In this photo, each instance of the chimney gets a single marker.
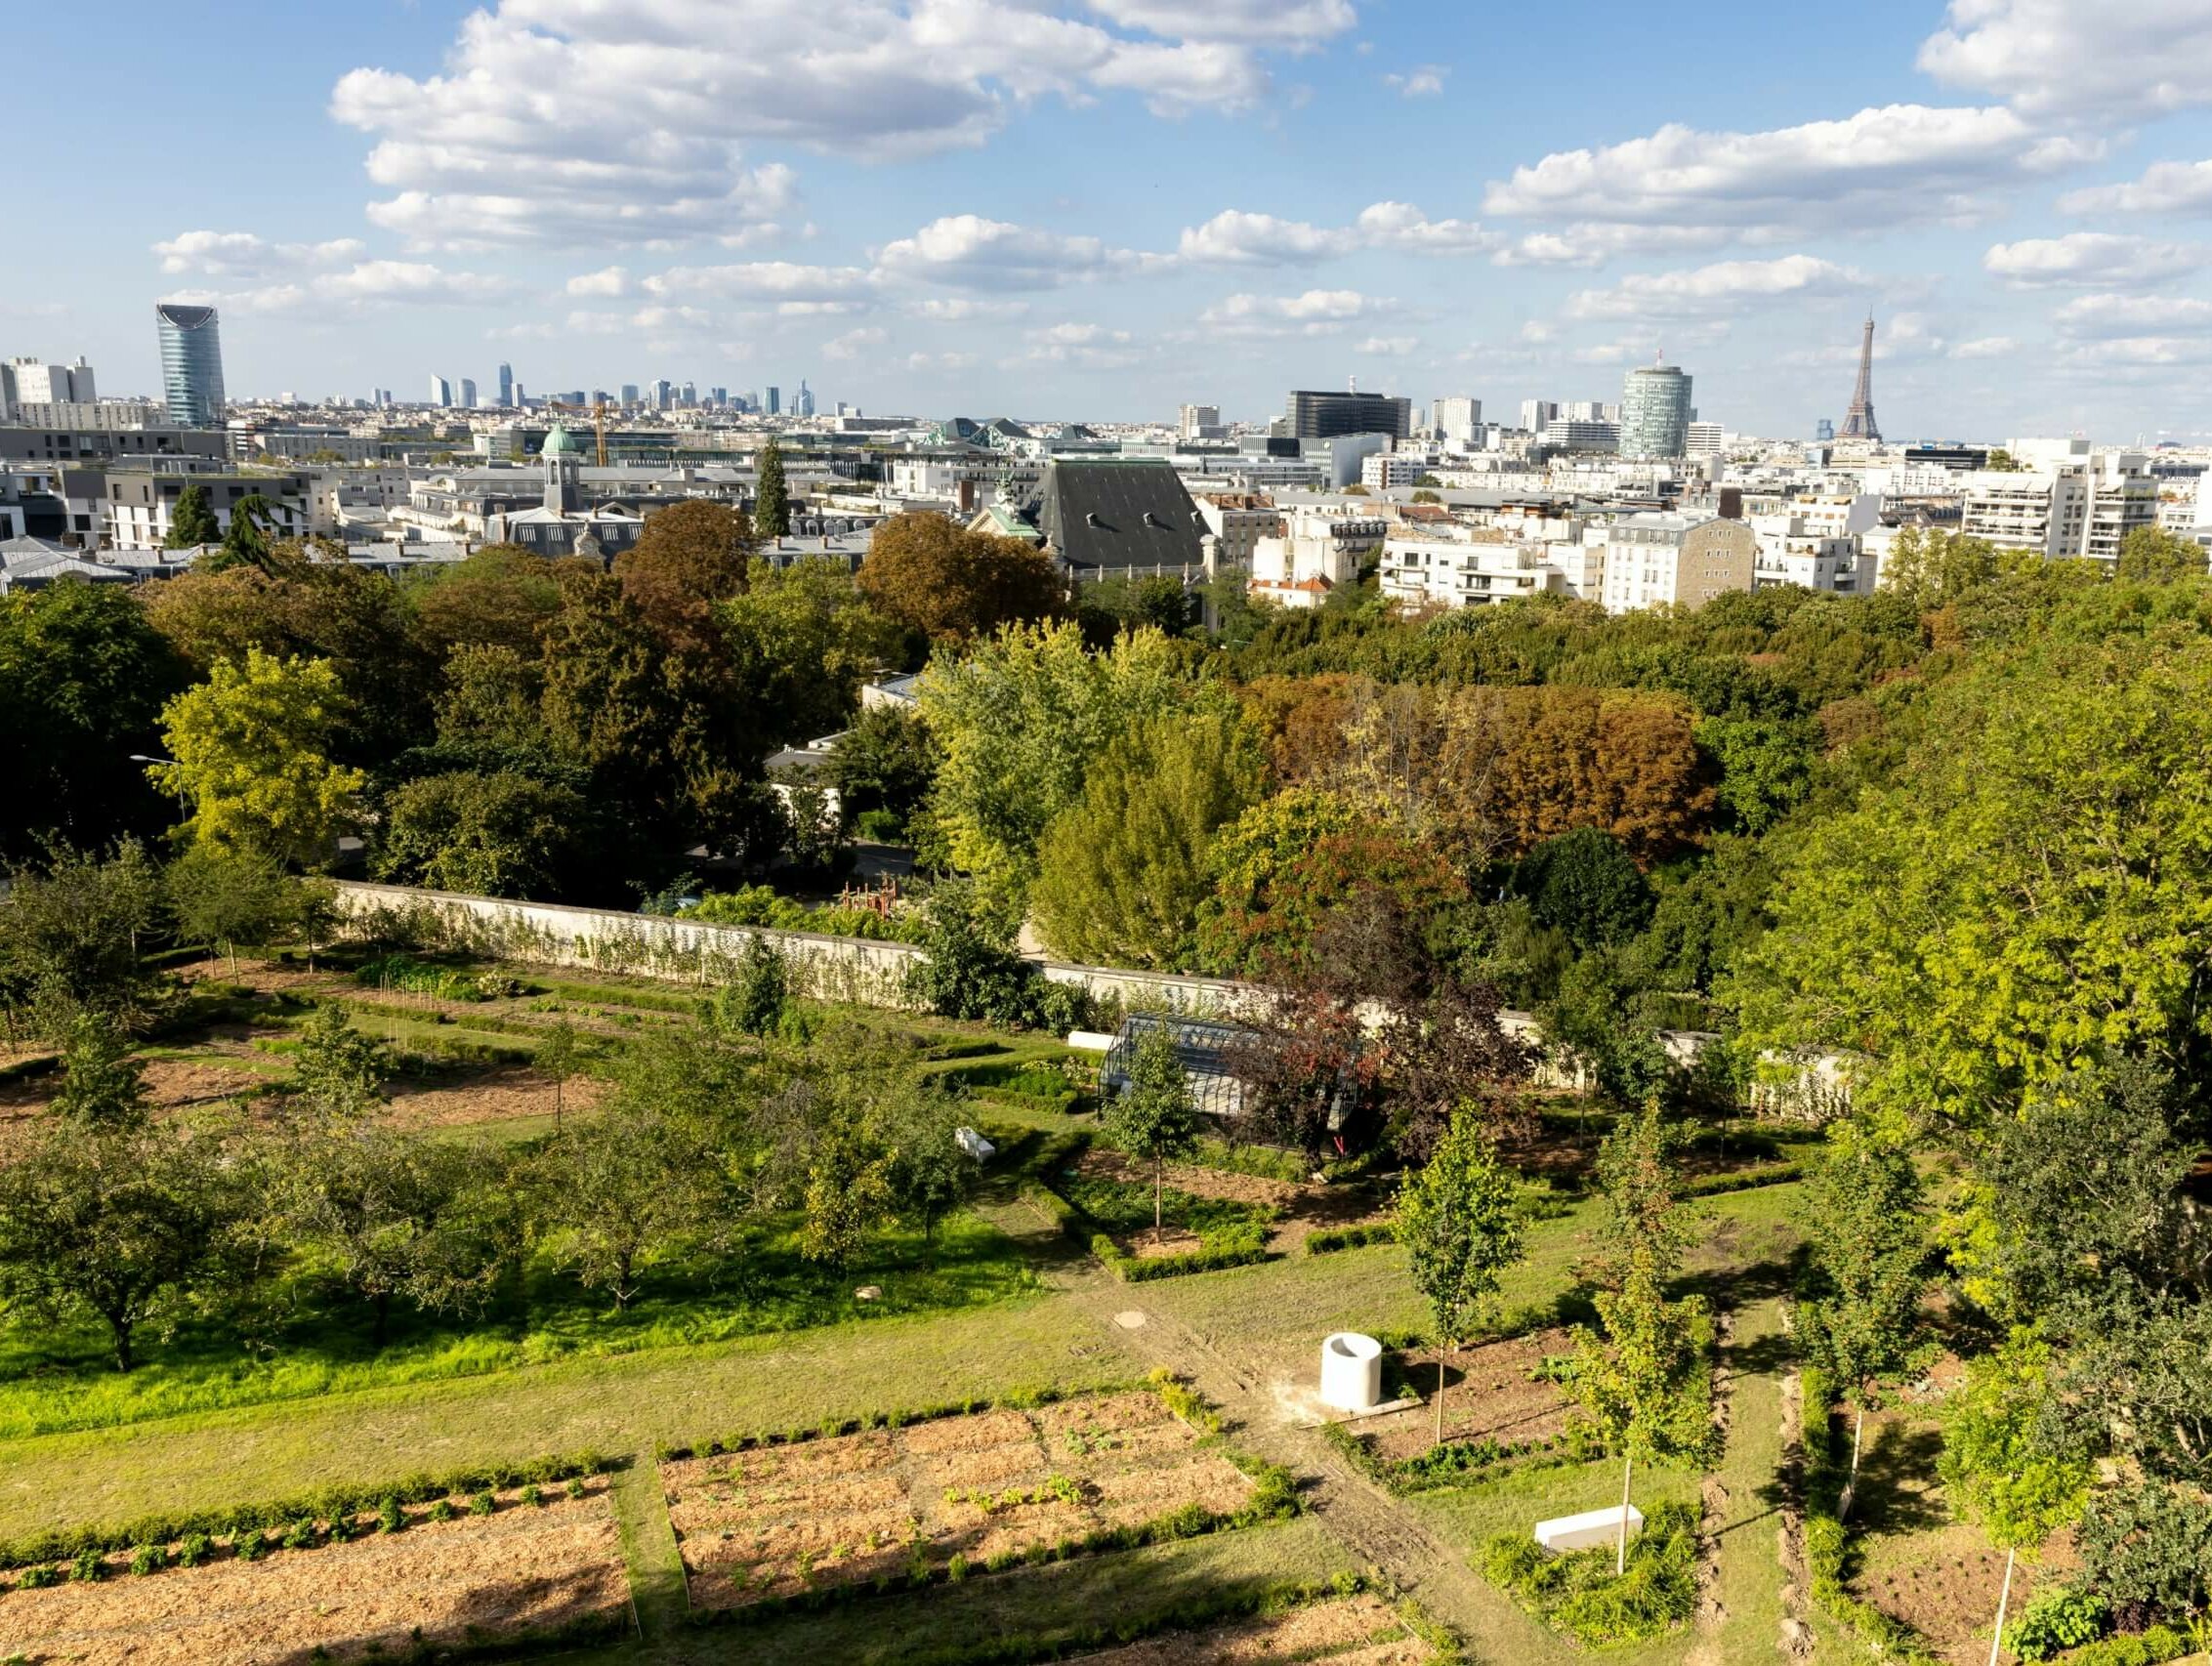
(1732, 503)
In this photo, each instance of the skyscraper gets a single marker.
(1654, 411)
(192, 363)
(440, 393)
(1456, 418)
(468, 394)
(629, 392)
(804, 404)
(774, 401)
(1319, 415)
(506, 385)
(1858, 422)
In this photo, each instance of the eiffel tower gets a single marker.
(1861, 423)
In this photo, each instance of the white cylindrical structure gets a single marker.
(1351, 1372)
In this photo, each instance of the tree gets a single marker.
(102, 1079)
(1932, 567)
(83, 675)
(1151, 1119)
(771, 498)
(221, 897)
(2151, 555)
(848, 1191)
(928, 1174)
(1121, 871)
(192, 523)
(119, 1225)
(501, 834)
(1586, 884)
(69, 933)
(886, 761)
(754, 1002)
(246, 541)
(970, 967)
(1643, 1377)
(952, 585)
(1766, 765)
(490, 702)
(801, 641)
(557, 1058)
(691, 557)
(2000, 1464)
(337, 1071)
(252, 758)
(623, 1191)
(501, 596)
(1460, 1222)
(1865, 1220)
(1021, 719)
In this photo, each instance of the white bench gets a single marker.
(1590, 1530)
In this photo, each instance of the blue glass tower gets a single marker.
(192, 363)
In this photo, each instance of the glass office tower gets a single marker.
(192, 363)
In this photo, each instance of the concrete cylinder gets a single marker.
(1351, 1372)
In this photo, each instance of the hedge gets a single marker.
(1827, 1543)
(1143, 1270)
(2153, 1648)
(1744, 1179)
(830, 1428)
(1329, 1239)
(1454, 1462)
(332, 1502)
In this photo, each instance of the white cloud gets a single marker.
(763, 281)
(1076, 335)
(953, 309)
(2166, 187)
(1313, 312)
(1586, 245)
(969, 251)
(2091, 260)
(852, 343)
(1717, 290)
(1986, 346)
(2108, 317)
(609, 280)
(2066, 57)
(242, 254)
(622, 122)
(1388, 347)
(365, 287)
(940, 361)
(1879, 168)
(1235, 237)
(1426, 82)
(2137, 352)
(666, 320)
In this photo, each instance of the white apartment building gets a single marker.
(1237, 521)
(34, 382)
(1387, 469)
(2069, 501)
(1319, 548)
(1702, 439)
(1591, 435)
(1472, 570)
(1199, 422)
(1677, 560)
(1801, 550)
(1458, 421)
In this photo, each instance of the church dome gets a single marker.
(560, 442)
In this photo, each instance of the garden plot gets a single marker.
(1202, 1204)
(1496, 1392)
(520, 1571)
(1348, 1631)
(978, 1490)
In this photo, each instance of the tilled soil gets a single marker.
(1346, 1630)
(1488, 1393)
(517, 1569)
(1301, 1207)
(774, 1521)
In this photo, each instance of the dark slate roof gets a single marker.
(1120, 514)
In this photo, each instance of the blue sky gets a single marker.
(1104, 207)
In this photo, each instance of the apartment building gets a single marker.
(2067, 500)
(1473, 570)
(141, 505)
(1320, 548)
(1679, 559)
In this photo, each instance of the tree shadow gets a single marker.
(1896, 1489)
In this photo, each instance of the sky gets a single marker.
(1103, 208)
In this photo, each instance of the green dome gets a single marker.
(559, 443)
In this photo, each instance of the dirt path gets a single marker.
(1366, 1520)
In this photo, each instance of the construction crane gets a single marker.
(596, 412)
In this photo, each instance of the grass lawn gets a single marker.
(59, 1379)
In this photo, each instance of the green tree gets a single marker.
(2151, 555)
(2000, 1463)
(1586, 884)
(246, 541)
(1151, 1119)
(927, 1174)
(558, 1057)
(771, 498)
(886, 761)
(222, 897)
(1930, 566)
(801, 641)
(1460, 1222)
(1766, 765)
(501, 596)
(1643, 1376)
(848, 1192)
(1866, 1225)
(1021, 717)
(338, 1071)
(623, 1191)
(69, 936)
(252, 749)
(103, 1078)
(970, 967)
(120, 1226)
(192, 523)
(500, 834)
(1121, 871)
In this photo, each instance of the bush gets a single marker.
(2059, 1620)
(390, 1518)
(1580, 1594)
(762, 905)
(480, 1504)
(1329, 1239)
(196, 1549)
(88, 1567)
(881, 826)
(441, 1510)
(1743, 1180)
(422, 978)
(39, 1578)
(2153, 1648)
(148, 1559)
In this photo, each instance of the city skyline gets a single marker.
(1107, 209)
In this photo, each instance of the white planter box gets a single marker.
(1589, 1530)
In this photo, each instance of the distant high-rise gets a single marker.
(690, 394)
(506, 385)
(802, 403)
(1197, 422)
(440, 393)
(1858, 422)
(1318, 415)
(776, 402)
(629, 392)
(1823, 430)
(1654, 411)
(1455, 418)
(468, 394)
(192, 363)
(663, 393)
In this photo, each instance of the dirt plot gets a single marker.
(495, 1093)
(1349, 1631)
(1490, 1394)
(775, 1520)
(517, 1570)
(1300, 1207)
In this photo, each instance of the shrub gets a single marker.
(1579, 1593)
(2153, 1648)
(880, 826)
(480, 1504)
(390, 1518)
(1184, 1401)
(249, 1545)
(88, 1567)
(575, 1488)
(2059, 1620)
(196, 1549)
(148, 1559)
(39, 1578)
(534, 1496)
(1329, 1239)
(441, 1510)
(421, 977)
(302, 1535)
